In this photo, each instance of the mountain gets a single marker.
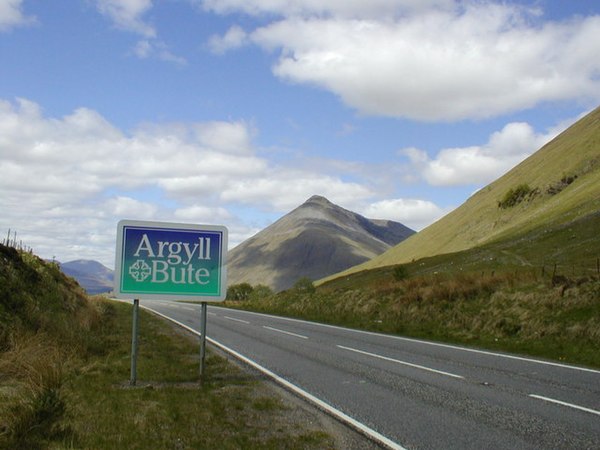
(91, 275)
(555, 188)
(314, 240)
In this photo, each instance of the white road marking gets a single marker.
(404, 363)
(296, 389)
(434, 344)
(188, 308)
(237, 320)
(212, 314)
(570, 405)
(285, 332)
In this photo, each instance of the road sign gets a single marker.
(170, 261)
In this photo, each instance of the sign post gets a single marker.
(202, 339)
(134, 342)
(170, 261)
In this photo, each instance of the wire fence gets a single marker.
(12, 240)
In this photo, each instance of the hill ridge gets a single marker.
(553, 197)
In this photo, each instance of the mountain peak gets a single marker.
(315, 239)
(318, 199)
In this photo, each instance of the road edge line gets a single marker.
(326, 407)
(431, 343)
(570, 405)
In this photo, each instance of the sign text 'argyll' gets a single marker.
(170, 261)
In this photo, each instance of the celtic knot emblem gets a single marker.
(139, 270)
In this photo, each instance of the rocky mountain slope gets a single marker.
(314, 240)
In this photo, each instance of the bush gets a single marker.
(515, 196)
(304, 285)
(261, 292)
(400, 273)
(239, 292)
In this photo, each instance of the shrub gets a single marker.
(239, 292)
(304, 285)
(400, 273)
(261, 292)
(515, 196)
(557, 187)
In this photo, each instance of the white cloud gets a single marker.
(203, 214)
(286, 188)
(445, 61)
(235, 37)
(481, 164)
(66, 181)
(228, 137)
(11, 15)
(414, 213)
(344, 8)
(127, 15)
(153, 48)
(126, 207)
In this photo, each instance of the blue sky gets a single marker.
(234, 112)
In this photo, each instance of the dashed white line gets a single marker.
(570, 405)
(404, 363)
(298, 390)
(237, 320)
(285, 332)
(431, 343)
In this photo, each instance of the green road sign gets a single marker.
(170, 261)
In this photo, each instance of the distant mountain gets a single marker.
(314, 240)
(554, 189)
(94, 277)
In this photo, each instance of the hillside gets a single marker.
(314, 240)
(65, 362)
(558, 184)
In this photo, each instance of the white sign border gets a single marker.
(169, 226)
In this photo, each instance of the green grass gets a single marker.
(571, 249)
(564, 175)
(170, 408)
(64, 377)
(521, 312)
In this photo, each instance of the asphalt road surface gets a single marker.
(414, 394)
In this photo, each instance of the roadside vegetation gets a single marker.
(538, 294)
(520, 313)
(64, 377)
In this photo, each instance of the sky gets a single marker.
(234, 112)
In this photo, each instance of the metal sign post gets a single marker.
(170, 261)
(134, 342)
(202, 339)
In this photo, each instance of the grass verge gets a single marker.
(64, 377)
(170, 408)
(556, 318)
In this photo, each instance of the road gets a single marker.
(415, 394)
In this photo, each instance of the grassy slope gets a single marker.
(64, 365)
(479, 220)
(520, 311)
